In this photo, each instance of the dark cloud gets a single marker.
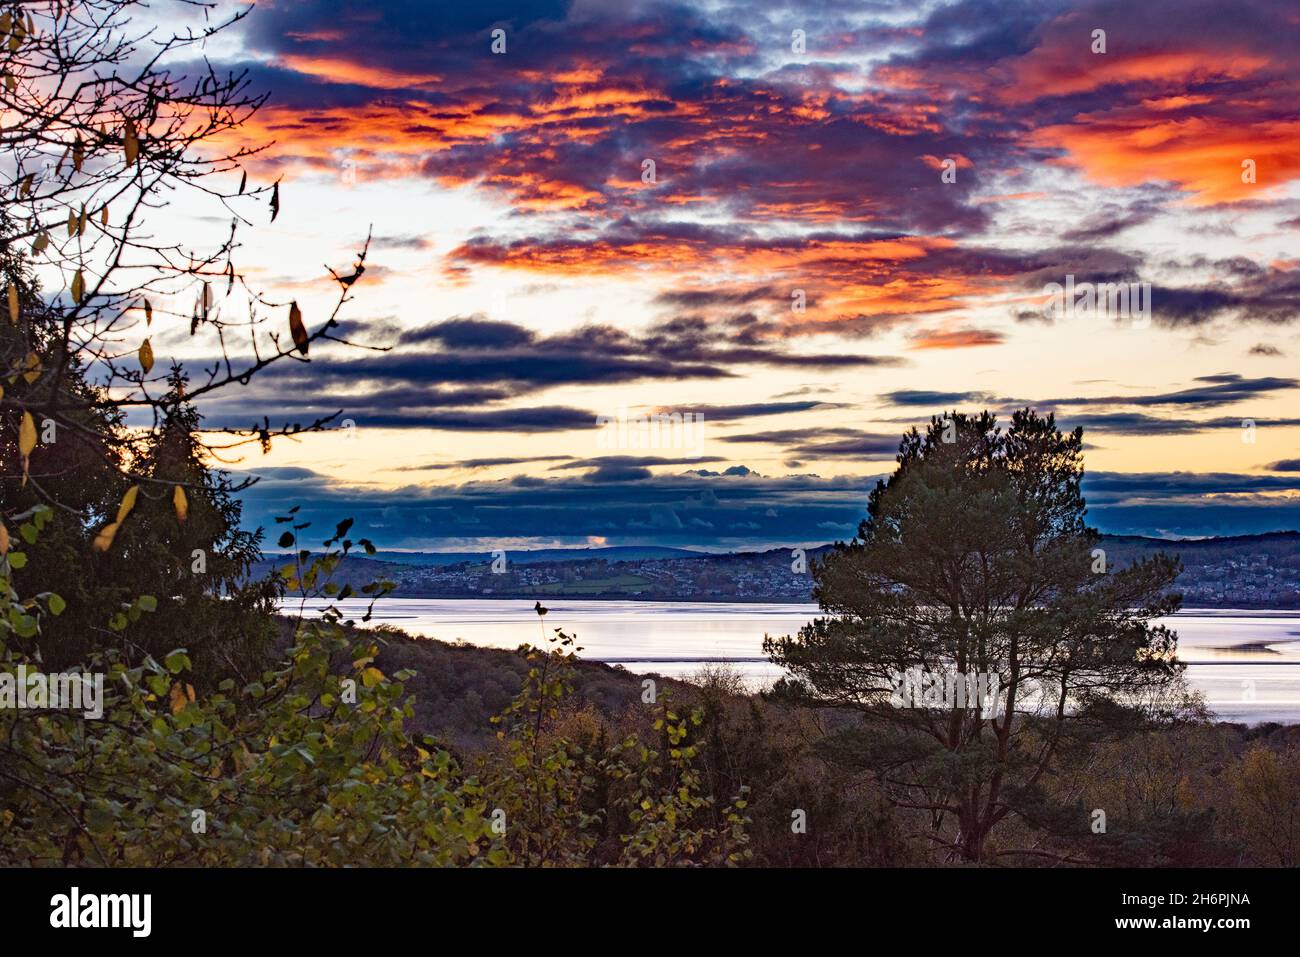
(1113, 221)
(824, 443)
(734, 509)
(1213, 390)
(470, 334)
(478, 463)
(931, 398)
(460, 373)
(749, 410)
(1272, 297)
(632, 461)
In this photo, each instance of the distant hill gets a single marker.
(1271, 542)
(1242, 571)
(613, 553)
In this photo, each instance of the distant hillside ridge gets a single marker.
(529, 556)
(1238, 571)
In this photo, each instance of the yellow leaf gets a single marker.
(189, 692)
(131, 142)
(104, 540)
(181, 503)
(72, 223)
(177, 697)
(42, 241)
(81, 222)
(297, 329)
(128, 503)
(148, 313)
(33, 368)
(11, 82)
(371, 677)
(13, 304)
(4, 539)
(78, 286)
(26, 435)
(146, 356)
(103, 215)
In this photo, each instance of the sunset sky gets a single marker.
(529, 279)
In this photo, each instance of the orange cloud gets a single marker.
(845, 278)
(1057, 70)
(338, 70)
(1203, 155)
(963, 338)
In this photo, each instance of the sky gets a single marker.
(799, 228)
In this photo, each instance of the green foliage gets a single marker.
(311, 763)
(571, 797)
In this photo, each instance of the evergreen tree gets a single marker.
(975, 572)
(183, 544)
(84, 466)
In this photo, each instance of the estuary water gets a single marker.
(1247, 663)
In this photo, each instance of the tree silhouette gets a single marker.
(974, 571)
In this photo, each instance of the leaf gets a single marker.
(78, 154)
(4, 539)
(78, 287)
(297, 329)
(104, 540)
(33, 368)
(11, 82)
(131, 142)
(41, 242)
(103, 215)
(275, 201)
(243, 181)
(56, 604)
(177, 698)
(146, 356)
(181, 504)
(148, 313)
(26, 441)
(26, 435)
(13, 304)
(127, 503)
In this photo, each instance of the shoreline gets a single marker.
(1208, 610)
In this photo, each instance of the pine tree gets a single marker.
(975, 562)
(183, 544)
